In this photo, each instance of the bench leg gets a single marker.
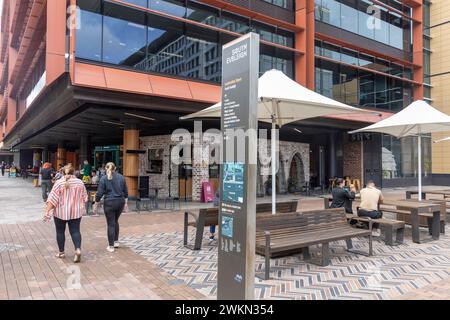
(306, 254)
(185, 236)
(370, 243)
(349, 244)
(430, 226)
(436, 223)
(325, 254)
(400, 235)
(443, 227)
(267, 258)
(389, 235)
(199, 237)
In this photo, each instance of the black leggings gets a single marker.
(74, 229)
(113, 209)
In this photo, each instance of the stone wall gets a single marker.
(200, 164)
(159, 180)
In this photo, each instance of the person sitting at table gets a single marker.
(342, 198)
(371, 198)
(94, 177)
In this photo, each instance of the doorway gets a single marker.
(372, 159)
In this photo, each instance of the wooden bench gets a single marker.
(388, 226)
(425, 219)
(287, 233)
(210, 217)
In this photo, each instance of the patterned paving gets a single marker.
(391, 273)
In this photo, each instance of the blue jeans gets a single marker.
(212, 229)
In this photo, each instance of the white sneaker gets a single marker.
(110, 249)
(376, 232)
(116, 244)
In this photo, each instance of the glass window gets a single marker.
(366, 89)
(365, 21)
(349, 21)
(331, 51)
(382, 26)
(330, 12)
(279, 3)
(201, 54)
(382, 65)
(124, 36)
(396, 94)
(396, 70)
(366, 60)
(234, 23)
(382, 98)
(396, 31)
(140, 3)
(349, 56)
(166, 46)
(89, 35)
(349, 85)
(400, 157)
(273, 58)
(172, 7)
(330, 80)
(197, 12)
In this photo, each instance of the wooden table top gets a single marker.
(411, 203)
(443, 191)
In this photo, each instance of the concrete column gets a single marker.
(60, 155)
(84, 149)
(45, 155)
(332, 152)
(37, 157)
(131, 161)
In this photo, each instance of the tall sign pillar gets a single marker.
(237, 218)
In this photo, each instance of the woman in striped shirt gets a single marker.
(67, 198)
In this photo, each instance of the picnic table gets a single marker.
(445, 193)
(432, 210)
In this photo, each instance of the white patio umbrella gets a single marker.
(281, 100)
(416, 119)
(442, 140)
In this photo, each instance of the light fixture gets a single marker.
(139, 116)
(114, 123)
(297, 130)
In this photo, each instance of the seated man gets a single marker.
(343, 197)
(371, 198)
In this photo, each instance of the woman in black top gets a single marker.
(114, 188)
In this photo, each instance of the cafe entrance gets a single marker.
(105, 154)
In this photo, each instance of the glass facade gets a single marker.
(399, 157)
(129, 37)
(357, 87)
(368, 20)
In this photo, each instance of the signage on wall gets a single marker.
(365, 136)
(237, 213)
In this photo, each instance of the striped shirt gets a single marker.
(69, 203)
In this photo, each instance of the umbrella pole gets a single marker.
(419, 160)
(274, 172)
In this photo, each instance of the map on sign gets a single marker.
(227, 226)
(233, 182)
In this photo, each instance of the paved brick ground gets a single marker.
(29, 270)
